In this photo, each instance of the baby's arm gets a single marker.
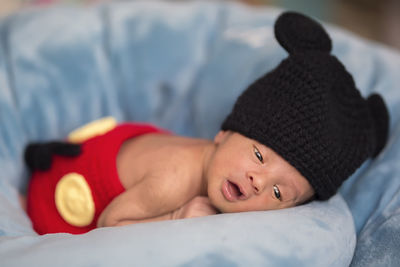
(167, 216)
(142, 202)
(197, 207)
(138, 204)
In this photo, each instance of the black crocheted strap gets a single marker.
(298, 33)
(39, 156)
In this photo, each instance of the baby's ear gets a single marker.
(220, 136)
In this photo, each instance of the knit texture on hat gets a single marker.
(309, 110)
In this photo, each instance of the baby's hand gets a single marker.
(197, 207)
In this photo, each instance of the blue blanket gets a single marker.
(180, 66)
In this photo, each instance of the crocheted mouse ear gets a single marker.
(298, 33)
(381, 120)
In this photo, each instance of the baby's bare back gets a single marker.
(166, 168)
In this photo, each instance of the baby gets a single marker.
(294, 135)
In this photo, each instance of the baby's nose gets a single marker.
(257, 183)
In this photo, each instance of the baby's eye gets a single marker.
(277, 192)
(258, 155)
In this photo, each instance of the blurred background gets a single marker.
(377, 20)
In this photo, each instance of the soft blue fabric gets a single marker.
(373, 193)
(180, 66)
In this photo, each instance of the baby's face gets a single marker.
(244, 175)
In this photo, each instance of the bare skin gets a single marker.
(161, 173)
(171, 177)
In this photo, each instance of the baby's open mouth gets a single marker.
(231, 191)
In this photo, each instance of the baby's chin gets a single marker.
(218, 204)
(222, 205)
(226, 207)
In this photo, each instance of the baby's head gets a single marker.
(297, 132)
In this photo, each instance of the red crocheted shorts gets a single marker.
(96, 163)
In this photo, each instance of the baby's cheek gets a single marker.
(262, 203)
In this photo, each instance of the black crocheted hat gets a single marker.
(309, 111)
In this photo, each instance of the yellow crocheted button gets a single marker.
(74, 200)
(92, 129)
